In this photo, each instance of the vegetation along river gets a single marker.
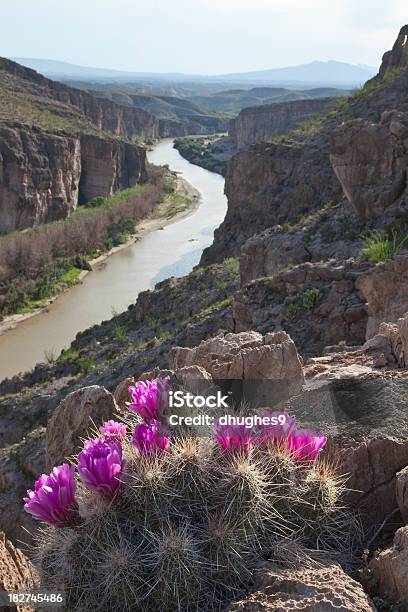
(171, 251)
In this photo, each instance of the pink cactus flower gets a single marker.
(149, 398)
(113, 430)
(281, 426)
(53, 498)
(151, 438)
(305, 444)
(233, 437)
(100, 465)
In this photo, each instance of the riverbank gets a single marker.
(210, 152)
(177, 205)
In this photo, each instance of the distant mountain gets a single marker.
(315, 72)
(305, 75)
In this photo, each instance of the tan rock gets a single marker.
(324, 589)
(73, 419)
(402, 493)
(121, 393)
(385, 289)
(390, 567)
(16, 571)
(372, 466)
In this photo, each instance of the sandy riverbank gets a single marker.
(164, 214)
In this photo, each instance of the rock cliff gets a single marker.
(43, 174)
(261, 123)
(59, 145)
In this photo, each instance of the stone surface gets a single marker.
(251, 358)
(322, 589)
(397, 57)
(16, 571)
(20, 466)
(390, 567)
(390, 344)
(256, 124)
(316, 303)
(121, 393)
(372, 465)
(402, 493)
(76, 415)
(370, 161)
(385, 289)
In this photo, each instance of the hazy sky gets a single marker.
(200, 36)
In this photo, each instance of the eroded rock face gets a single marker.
(109, 166)
(39, 177)
(370, 161)
(317, 304)
(391, 343)
(397, 57)
(372, 465)
(250, 357)
(247, 355)
(73, 419)
(322, 589)
(390, 567)
(271, 184)
(385, 289)
(260, 123)
(16, 571)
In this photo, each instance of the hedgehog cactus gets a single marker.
(188, 520)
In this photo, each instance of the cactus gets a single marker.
(187, 524)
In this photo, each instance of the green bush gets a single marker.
(381, 247)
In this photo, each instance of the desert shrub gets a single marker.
(311, 298)
(158, 524)
(382, 247)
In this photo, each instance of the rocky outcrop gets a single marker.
(372, 466)
(43, 175)
(123, 121)
(72, 420)
(261, 123)
(39, 176)
(16, 571)
(390, 568)
(333, 233)
(397, 57)
(316, 303)
(108, 166)
(249, 357)
(271, 184)
(371, 160)
(385, 289)
(324, 588)
(390, 345)
(20, 466)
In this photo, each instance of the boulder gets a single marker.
(390, 567)
(402, 493)
(385, 289)
(325, 589)
(16, 571)
(76, 415)
(391, 342)
(372, 466)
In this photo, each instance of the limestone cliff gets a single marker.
(291, 177)
(59, 145)
(261, 123)
(43, 175)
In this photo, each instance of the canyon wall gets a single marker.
(42, 174)
(261, 123)
(123, 121)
